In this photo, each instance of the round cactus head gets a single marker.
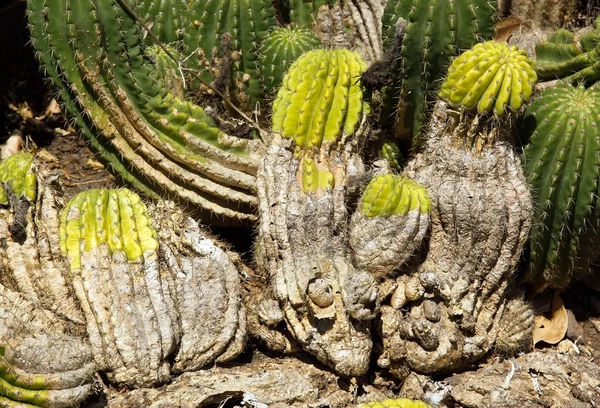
(280, 48)
(115, 218)
(17, 174)
(491, 76)
(320, 99)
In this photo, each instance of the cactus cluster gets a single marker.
(159, 144)
(562, 166)
(491, 76)
(573, 58)
(435, 31)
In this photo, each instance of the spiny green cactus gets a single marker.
(436, 30)
(491, 76)
(16, 173)
(19, 388)
(245, 23)
(562, 164)
(164, 18)
(91, 218)
(390, 152)
(396, 403)
(388, 195)
(320, 99)
(303, 12)
(161, 145)
(319, 104)
(168, 70)
(280, 48)
(564, 56)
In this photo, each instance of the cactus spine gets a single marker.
(436, 30)
(154, 141)
(562, 165)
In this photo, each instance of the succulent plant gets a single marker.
(572, 58)
(159, 144)
(279, 49)
(545, 13)
(112, 285)
(435, 31)
(491, 76)
(396, 403)
(17, 178)
(309, 175)
(562, 167)
(445, 314)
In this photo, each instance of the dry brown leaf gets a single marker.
(506, 27)
(552, 327)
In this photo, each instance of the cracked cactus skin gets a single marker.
(161, 145)
(446, 314)
(390, 223)
(490, 76)
(309, 175)
(572, 58)
(562, 163)
(396, 403)
(17, 174)
(279, 50)
(436, 31)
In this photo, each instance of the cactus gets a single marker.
(545, 13)
(572, 58)
(436, 30)
(225, 35)
(491, 76)
(396, 403)
(17, 176)
(445, 315)
(157, 143)
(164, 17)
(562, 167)
(391, 221)
(168, 71)
(280, 48)
(309, 176)
(304, 12)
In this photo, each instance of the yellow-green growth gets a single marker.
(16, 172)
(396, 403)
(390, 152)
(167, 69)
(314, 179)
(562, 163)
(388, 195)
(280, 48)
(491, 76)
(320, 99)
(116, 218)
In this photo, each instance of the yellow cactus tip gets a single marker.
(17, 172)
(396, 403)
(490, 76)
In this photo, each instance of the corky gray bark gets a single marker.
(447, 313)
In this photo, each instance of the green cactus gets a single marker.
(17, 172)
(390, 152)
(562, 166)
(303, 12)
(161, 145)
(320, 99)
(19, 388)
(168, 70)
(388, 195)
(436, 30)
(564, 56)
(396, 403)
(164, 17)
(279, 50)
(491, 76)
(91, 218)
(243, 23)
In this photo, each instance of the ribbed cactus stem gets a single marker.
(436, 30)
(159, 144)
(16, 174)
(562, 166)
(279, 50)
(491, 76)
